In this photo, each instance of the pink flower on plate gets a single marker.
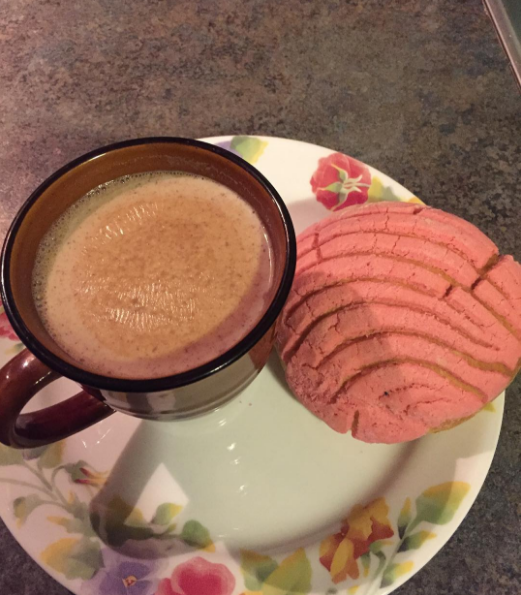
(198, 577)
(6, 330)
(340, 181)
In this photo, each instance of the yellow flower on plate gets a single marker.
(364, 525)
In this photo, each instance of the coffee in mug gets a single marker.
(152, 274)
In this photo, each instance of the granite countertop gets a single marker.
(420, 89)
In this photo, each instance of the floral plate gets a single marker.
(258, 497)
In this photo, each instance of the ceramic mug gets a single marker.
(182, 395)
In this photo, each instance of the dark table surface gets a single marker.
(419, 89)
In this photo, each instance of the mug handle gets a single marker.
(20, 379)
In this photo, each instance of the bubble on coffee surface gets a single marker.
(154, 273)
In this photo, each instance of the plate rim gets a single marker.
(482, 469)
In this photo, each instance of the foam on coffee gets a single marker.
(153, 274)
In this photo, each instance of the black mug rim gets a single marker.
(99, 381)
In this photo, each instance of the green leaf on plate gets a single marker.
(438, 504)
(405, 517)
(75, 470)
(376, 546)
(415, 541)
(342, 197)
(10, 456)
(165, 513)
(74, 558)
(395, 571)
(15, 349)
(342, 174)
(24, 505)
(51, 456)
(74, 525)
(291, 577)
(76, 507)
(195, 535)
(366, 562)
(248, 147)
(335, 187)
(256, 568)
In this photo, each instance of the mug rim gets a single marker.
(188, 377)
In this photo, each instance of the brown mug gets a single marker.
(182, 395)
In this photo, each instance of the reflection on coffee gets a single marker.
(153, 274)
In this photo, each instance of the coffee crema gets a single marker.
(152, 275)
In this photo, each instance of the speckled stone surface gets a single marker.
(419, 89)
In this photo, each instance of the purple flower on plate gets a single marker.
(227, 144)
(121, 575)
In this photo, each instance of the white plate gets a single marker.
(257, 497)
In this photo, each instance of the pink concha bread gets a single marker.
(402, 320)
